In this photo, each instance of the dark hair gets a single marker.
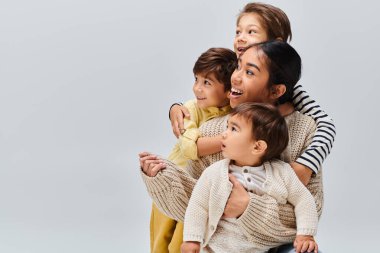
(267, 125)
(218, 61)
(274, 20)
(284, 66)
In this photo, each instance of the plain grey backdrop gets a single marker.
(86, 85)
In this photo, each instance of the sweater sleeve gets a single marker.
(324, 137)
(267, 223)
(188, 141)
(303, 202)
(196, 216)
(170, 190)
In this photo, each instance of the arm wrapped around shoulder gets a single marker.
(170, 190)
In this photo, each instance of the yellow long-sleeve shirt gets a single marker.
(186, 147)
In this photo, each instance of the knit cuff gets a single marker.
(306, 231)
(193, 238)
(170, 190)
(156, 184)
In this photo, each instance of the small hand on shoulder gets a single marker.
(176, 114)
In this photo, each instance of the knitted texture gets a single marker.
(265, 222)
(210, 195)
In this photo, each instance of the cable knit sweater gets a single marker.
(265, 222)
(210, 195)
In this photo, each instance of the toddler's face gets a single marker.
(237, 141)
(209, 91)
(249, 31)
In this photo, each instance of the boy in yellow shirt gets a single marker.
(212, 72)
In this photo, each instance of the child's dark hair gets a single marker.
(267, 125)
(284, 66)
(273, 19)
(218, 61)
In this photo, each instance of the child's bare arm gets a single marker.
(209, 145)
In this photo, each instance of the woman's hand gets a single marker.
(238, 200)
(305, 243)
(190, 247)
(177, 113)
(151, 164)
(303, 172)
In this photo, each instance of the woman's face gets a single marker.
(249, 30)
(249, 82)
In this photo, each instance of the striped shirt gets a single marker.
(324, 136)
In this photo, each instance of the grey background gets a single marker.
(86, 85)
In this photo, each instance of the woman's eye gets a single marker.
(251, 32)
(237, 32)
(196, 78)
(207, 82)
(233, 129)
(250, 73)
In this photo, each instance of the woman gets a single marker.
(258, 78)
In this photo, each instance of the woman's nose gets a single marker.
(236, 78)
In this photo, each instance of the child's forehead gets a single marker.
(239, 119)
(251, 18)
(207, 74)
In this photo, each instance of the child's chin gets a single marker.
(203, 105)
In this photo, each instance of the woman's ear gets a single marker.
(259, 147)
(277, 91)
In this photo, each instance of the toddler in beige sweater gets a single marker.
(256, 135)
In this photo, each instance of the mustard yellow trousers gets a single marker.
(166, 235)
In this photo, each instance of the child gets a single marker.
(256, 134)
(212, 73)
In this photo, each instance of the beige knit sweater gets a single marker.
(211, 193)
(265, 221)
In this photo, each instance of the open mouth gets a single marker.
(235, 92)
(241, 49)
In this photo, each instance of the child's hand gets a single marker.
(190, 247)
(177, 113)
(305, 243)
(151, 164)
(303, 172)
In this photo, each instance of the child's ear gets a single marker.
(277, 91)
(259, 147)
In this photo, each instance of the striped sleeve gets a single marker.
(324, 136)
